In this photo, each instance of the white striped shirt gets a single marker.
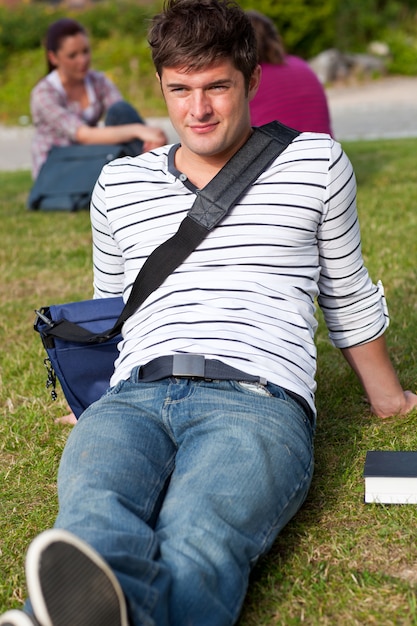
(246, 295)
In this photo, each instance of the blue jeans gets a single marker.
(124, 113)
(181, 485)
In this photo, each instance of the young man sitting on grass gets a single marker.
(172, 486)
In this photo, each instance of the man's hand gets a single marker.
(407, 403)
(372, 365)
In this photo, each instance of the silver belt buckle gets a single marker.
(188, 365)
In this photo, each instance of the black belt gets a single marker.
(197, 366)
(193, 366)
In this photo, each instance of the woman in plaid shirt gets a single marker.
(68, 103)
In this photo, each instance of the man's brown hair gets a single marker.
(193, 34)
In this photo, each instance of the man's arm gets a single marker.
(108, 262)
(372, 365)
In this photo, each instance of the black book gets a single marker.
(391, 477)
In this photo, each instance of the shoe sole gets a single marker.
(16, 618)
(70, 584)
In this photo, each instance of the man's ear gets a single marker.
(158, 78)
(254, 82)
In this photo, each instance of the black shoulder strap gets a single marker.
(209, 208)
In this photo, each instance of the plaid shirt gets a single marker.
(56, 120)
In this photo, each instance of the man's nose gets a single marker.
(200, 105)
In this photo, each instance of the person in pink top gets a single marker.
(289, 90)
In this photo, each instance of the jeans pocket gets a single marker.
(255, 388)
(112, 391)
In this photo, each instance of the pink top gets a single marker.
(292, 94)
(56, 120)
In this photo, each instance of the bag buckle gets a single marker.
(44, 319)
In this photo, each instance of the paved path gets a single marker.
(381, 108)
(15, 144)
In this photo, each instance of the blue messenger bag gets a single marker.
(66, 180)
(80, 338)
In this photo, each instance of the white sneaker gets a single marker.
(70, 584)
(17, 618)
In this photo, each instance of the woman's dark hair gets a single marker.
(193, 34)
(269, 42)
(57, 32)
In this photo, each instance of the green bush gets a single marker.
(307, 26)
(109, 19)
(360, 21)
(403, 49)
(311, 26)
(23, 28)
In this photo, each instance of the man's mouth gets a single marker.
(202, 129)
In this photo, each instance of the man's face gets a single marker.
(209, 108)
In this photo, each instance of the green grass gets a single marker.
(339, 561)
